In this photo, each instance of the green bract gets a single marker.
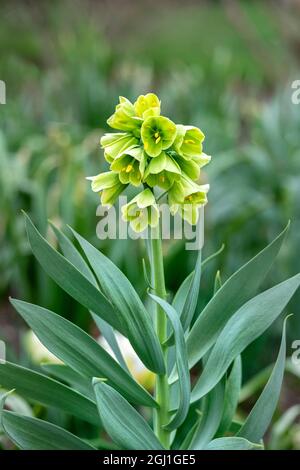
(155, 154)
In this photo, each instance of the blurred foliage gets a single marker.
(224, 66)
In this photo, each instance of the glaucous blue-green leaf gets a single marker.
(181, 295)
(79, 350)
(34, 434)
(237, 290)
(39, 388)
(71, 377)
(73, 255)
(70, 279)
(261, 414)
(211, 416)
(232, 443)
(247, 324)
(181, 364)
(122, 422)
(231, 397)
(134, 317)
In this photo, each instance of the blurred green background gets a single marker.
(224, 66)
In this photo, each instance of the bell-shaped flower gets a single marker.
(188, 142)
(108, 185)
(116, 144)
(162, 171)
(130, 166)
(124, 118)
(158, 133)
(185, 197)
(147, 106)
(141, 211)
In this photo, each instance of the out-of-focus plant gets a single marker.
(92, 385)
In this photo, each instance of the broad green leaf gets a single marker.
(35, 434)
(247, 324)
(122, 422)
(237, 290)
(210, 419)
(78, 350)
(181, 364)
(261, 414)
(73, 255)
(71, 377)
(232, 443)
(49, 392)
(231, 398)
(69, 278)
(133, 315)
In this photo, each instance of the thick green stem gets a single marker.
(161, 415)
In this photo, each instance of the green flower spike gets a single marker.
(186, 197)
(162, 171)
(109, 185)
(158, 133)
(124, 117)
(116, 144)
(147, 106)
(141, 211)
(130, 166)
(188, 142)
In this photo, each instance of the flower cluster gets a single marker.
(152, 151)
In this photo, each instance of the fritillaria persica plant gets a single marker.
(170, 335)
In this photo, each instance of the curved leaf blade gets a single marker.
(35, 434)
(261, 414)
(232, 443)
(247, 324)
(78, 350)
(46, 391)
(237, 290)
(72, 254)
(71, 377)
(69, 278)
(122, 422)
(134, 317)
